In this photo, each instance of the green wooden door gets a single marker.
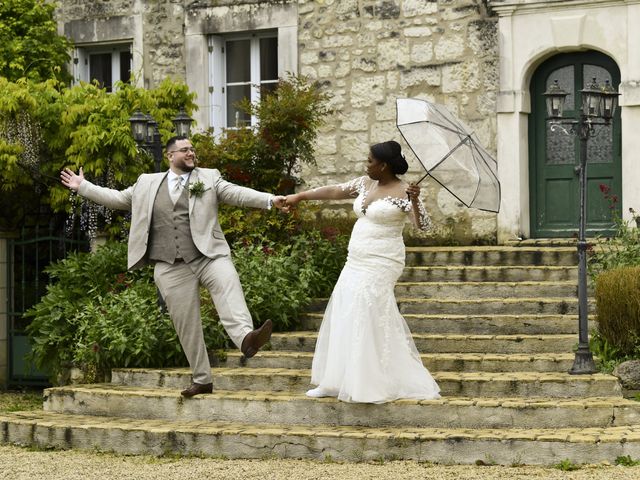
(554, 155)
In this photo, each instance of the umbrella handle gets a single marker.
(418, 182)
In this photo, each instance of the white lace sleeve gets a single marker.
(424, 220)
(355, 187)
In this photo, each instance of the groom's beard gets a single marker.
(186, 167)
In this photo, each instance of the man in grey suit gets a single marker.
(174, 225)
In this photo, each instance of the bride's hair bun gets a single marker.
(391, 153)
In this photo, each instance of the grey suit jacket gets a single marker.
(203, 210)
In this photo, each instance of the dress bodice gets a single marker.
(384, 216)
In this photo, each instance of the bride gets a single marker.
(365, 352)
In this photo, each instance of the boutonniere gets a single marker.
(197, 189)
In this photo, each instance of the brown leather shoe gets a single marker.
(196, 389)
(256, 339)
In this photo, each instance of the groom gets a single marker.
(174, 225)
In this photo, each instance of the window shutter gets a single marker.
(216, 75)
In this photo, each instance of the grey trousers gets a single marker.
(179, 284)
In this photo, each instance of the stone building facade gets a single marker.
(488, 61)
(365, 53)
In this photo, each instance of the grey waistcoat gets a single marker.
(170, 231)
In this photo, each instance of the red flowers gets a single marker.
(329, 233)
(604, 188)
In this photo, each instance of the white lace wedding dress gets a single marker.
(365, 352)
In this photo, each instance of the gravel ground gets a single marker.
(24, 464)
(18, 463)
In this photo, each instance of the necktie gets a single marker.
(176, 190)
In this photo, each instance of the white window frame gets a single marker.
(82, 53)
(218, 75)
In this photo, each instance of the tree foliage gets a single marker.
(269, 156)
(46, 126)
(31, 46)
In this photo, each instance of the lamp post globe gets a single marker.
(138, 123)
(554, 98)
(182, 123)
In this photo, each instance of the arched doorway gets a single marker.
(554, 156)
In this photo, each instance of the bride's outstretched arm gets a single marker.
(330, 192)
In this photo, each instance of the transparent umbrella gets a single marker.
(450, 153)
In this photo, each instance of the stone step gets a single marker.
(279, 407)
(490, 306)
(467, 384)
(491, 256)
(450, 343)
(480, 306)
(490, 274)
(470, 290)
(320, 442)
(478, 324)
(436, 362)
(548, 242)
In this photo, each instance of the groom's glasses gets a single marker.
(184, 150)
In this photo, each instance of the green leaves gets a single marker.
(31, 46)
(97, 316)
(73, 127)
(281, 280)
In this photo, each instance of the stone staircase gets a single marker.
(495, 325)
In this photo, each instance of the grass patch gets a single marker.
(20, 401)
(627, 461)
(566, 465)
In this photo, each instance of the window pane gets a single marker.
(565, 77)
(268, 58)
(267, 88)
(599, 147)
(561, 148)
(238, 61)
(236, 93)
(125, 66)
(100, 69)
(594, 71)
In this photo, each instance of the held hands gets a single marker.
(280, 202)
(413, 192)
(293, 199)
(70, 180)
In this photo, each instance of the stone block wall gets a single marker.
(368, 53)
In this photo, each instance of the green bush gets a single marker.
(617, 293)
(280, 281)
(73, 281)
(128, 329)
(620, 250)
(98, 316)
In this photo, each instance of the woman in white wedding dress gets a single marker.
(365, 352)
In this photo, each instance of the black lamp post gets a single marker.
(599, 103)
(146, 134)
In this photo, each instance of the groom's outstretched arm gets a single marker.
(111, 198)
(236, 195)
